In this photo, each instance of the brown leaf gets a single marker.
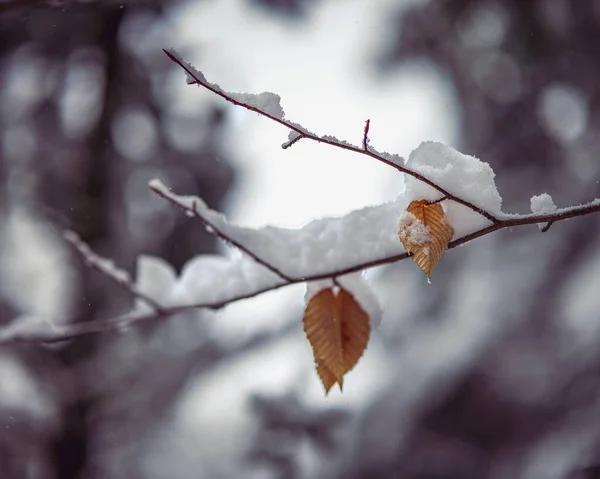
(425, 234)
(338, 330)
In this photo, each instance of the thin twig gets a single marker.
(294, 140)
(195, 79)
(547, 226)
(365, 142)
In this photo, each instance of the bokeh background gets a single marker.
(491, 371)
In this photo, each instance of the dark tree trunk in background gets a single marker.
(84, 184)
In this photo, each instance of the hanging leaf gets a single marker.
(338, 330)
(425, 234)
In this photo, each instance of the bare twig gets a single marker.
(365, 142)
(196, 78)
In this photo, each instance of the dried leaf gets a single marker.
(425, 234)
(338, 330)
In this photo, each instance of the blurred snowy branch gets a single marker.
(107, 268)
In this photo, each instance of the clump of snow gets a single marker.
(322, 246)
(155, 279)
(542, 205)
(461, 175)
(411, 230)
(213, 279)
(267, 102)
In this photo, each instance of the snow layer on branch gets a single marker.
(542, 205)
(216, 279)
(192, 75)
(322, 246)
(266, 102)
(462, 175)
(361, 290)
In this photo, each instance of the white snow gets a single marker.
(214, 279)
(328, 245)
(410, 229)
(266, 102)
(155, 278)
(321, 246)
(192, 75)
(461, 175)
(542, 205)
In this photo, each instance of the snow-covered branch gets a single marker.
(323, 253)
(259, 276)
(267, 104)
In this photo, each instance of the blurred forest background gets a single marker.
(493, 371)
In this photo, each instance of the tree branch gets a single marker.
(193, 211)
(65, 332)
(197, 78)
(46, 332)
